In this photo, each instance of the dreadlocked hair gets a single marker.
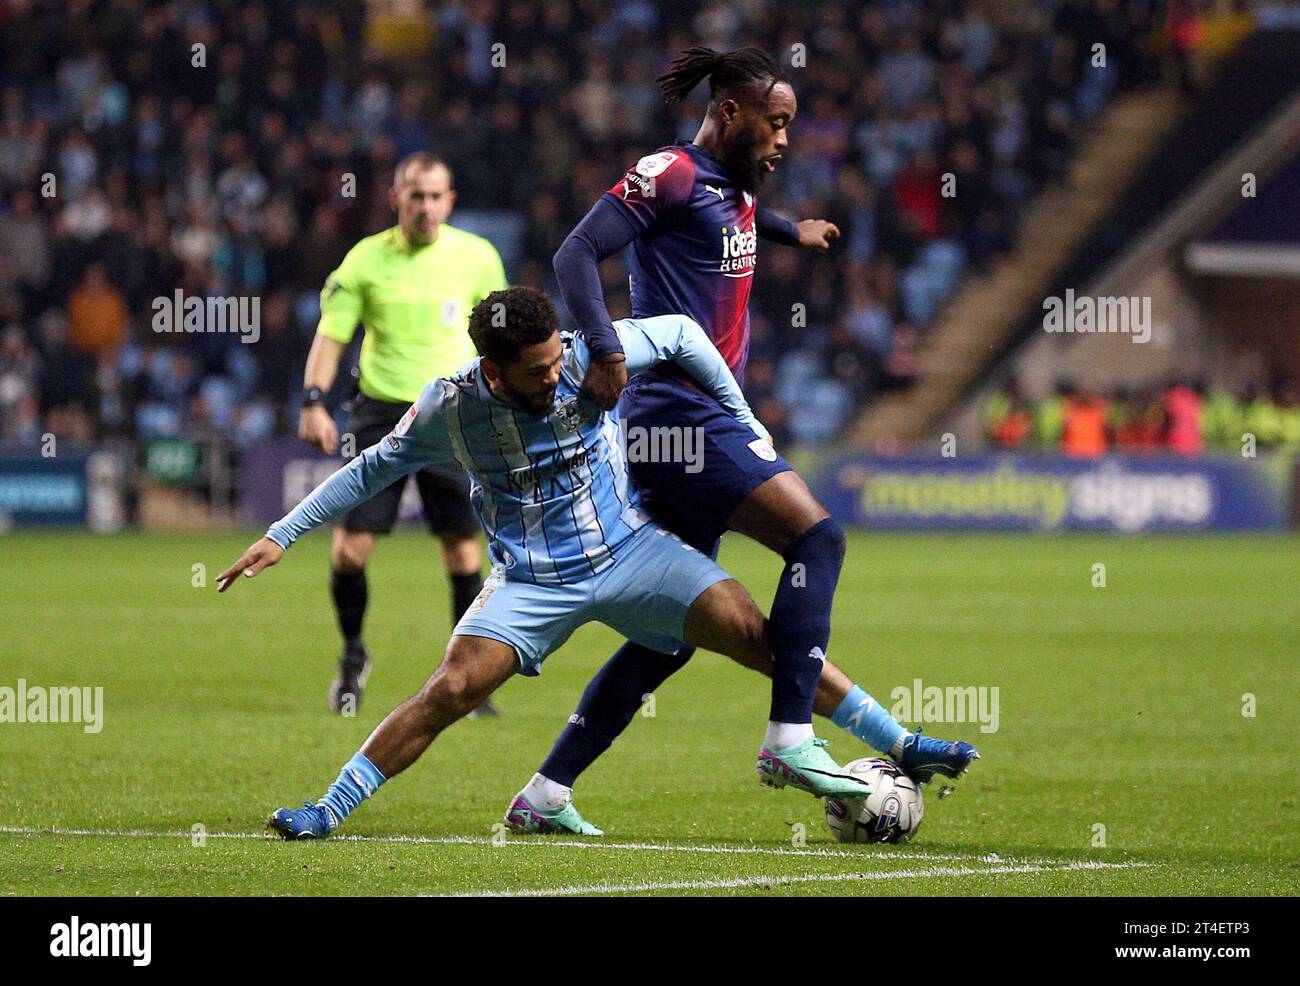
(729, 73)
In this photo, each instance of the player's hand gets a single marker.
(262, 553)
(605, 380)
(816, 234)
(316, 427)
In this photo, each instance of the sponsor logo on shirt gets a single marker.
(633, 182)
(739, 251)
(528, 481)
(408, 419)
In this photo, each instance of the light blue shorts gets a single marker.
(643, 594)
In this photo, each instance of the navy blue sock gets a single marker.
(608, 705)
(800, 622)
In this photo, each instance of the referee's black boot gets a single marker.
(350, 682)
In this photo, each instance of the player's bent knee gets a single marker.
(350, 550)
(751, 637)
(446, 694)
(825, 539)
(726, 620)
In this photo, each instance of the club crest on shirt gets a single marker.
(451, 311)
(570, 412)
(762, 448)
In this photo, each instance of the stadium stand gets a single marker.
(128, 171)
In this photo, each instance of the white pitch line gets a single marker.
(542, 842)
(929, 872)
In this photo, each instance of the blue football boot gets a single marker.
(308, 822)
(925, 756)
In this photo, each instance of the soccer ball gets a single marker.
(890, 813)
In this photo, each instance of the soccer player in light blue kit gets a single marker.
(566, 534)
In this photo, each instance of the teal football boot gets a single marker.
(808, 767)
(523, 818)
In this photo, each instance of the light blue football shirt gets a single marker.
(552, 491)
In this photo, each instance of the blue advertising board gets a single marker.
(70, 488)
(1020, 492)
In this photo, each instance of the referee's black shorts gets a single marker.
(444, 487)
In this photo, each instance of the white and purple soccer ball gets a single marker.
(890, 813)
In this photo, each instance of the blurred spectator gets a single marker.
(24, 245)
(1049, 419)
(1085, 435)
(1263, 418)
(1223, 421)
(1009, 419)
(1136, 422)
(19, 372)
(1182, 407)
(97, 315)
(1182, 419)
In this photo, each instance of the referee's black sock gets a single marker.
(350, 595)
(463, 590)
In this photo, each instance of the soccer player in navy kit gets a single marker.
(690, 214)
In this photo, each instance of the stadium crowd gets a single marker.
(1183, 418)
(208, 147)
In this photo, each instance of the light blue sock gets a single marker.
(869, 721)
(358, 780)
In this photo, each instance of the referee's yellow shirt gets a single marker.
(415, 304)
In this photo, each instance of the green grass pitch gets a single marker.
(1123, 763)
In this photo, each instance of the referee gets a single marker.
(413, 287)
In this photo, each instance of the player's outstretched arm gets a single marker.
(816, 234)
(419, 439)
(262, 553)
(811, 234)
(355, 483)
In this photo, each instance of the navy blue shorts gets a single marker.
(695, 498)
